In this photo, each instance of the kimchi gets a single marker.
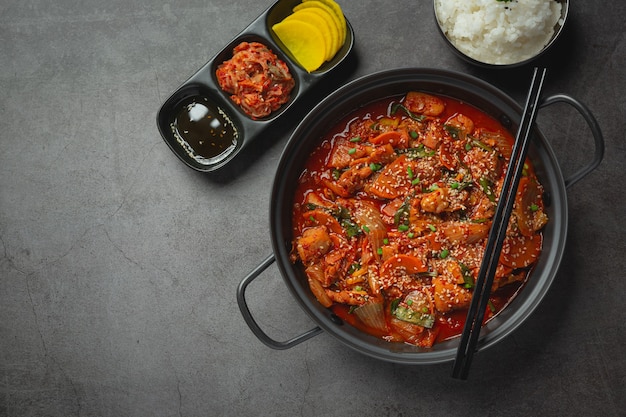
(259, 82)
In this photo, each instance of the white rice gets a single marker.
(497, 32)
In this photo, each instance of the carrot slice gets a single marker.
(393, 180)
(407, 263)
(520, 251)
(393, 137)
(323, 218)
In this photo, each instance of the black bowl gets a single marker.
(397, 82)
(558, 29)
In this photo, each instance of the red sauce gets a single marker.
(259, 82)
(392, 213)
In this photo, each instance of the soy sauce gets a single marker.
(204, 130)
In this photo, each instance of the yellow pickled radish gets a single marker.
(329, 14)
(304, 41)
(334, 6)
(319, 22)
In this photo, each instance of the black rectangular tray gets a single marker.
(204, 84)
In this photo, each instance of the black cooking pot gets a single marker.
(392, 83)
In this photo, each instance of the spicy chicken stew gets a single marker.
(392, 214)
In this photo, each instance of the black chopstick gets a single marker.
(484, 281)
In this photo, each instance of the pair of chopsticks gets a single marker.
(482, 288)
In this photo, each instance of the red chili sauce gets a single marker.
(392, 214)
(259, 82)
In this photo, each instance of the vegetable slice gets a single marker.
(392, 180)
(304, 41)
(323, 218)
(529, 207)
(372, 315)
(415, 317)
(520, 251)
(407, 264)
(393, 137)
(309, 16)
(337, 13)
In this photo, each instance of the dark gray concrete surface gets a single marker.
(119, 265)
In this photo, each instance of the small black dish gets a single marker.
(201, 95)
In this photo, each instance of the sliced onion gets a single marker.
(372, 315)
(370, 220)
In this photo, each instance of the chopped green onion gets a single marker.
(410, 235)
(355, 139)
(479, 221)
(534, 207)
(409, 172)
(354, 267)
(413, 134)
(402, 214)
(482, 145)
(365, 228)
(342, 213)
(379, 251)
(386, 241)
(397, 106)
(375, 167)
(403, 227)
(419, 152)
(432, 228)
(444, 254)
(415, 181)
(455, 185)
(351, 151)
(485, 184)
(452, 130)
(351, 228)
(468, 279)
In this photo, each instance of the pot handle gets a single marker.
(595, 131)
(247, 315)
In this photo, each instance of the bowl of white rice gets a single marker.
(500, 33)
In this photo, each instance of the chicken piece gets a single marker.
(483, 164)
(353, 179)
(423, 103)
(436, 201)
(314, 243)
